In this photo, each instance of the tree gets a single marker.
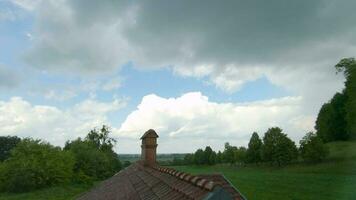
(240, 155)
(348, 67)
(209, 156)
(189, 159)
(229, 153)
(331, 120)
(253, 153)
(101, 138)
(219, 157)
(199, 157)
(312, 148)
(94, 155)
(278, 148)
(6, 144)
(35, 164)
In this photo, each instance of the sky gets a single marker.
(198, 72)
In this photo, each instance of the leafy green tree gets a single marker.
(348, 67)
(6, 144)
(189, 159)
(101, 138)
(219, 157)
(312, 148)
(229, 153)
(331, 120)
(278, 148)
(209, 156)
(94, 156)
(199, 157)
(240, 155)
(253, 153)
(35, 164)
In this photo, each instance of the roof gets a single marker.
(139, 182)
(150, 134)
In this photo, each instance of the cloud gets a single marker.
(193, 118)
(231, 43)
(19, 117)
(8, 78)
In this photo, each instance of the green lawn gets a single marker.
(53, 193)
(333, 179)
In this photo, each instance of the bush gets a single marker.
(35, 164)
(312, 148)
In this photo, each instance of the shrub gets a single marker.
(35, 164)
(312, 148)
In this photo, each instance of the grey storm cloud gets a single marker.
(230, 42)
(8, 78)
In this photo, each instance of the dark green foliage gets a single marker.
(199, 157)
(94, 156)
(348, 67)
(126, 164)
(209, 156)
(6, 144)
(278, 148)
(229, 153)
(240, 155)
(35, 164)
(219, 157)
(253, 154)
(331, 121)
(312, 148)
(189, 159)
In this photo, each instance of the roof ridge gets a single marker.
(192, 179)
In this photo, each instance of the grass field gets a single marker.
(333, 179)
(54, 193)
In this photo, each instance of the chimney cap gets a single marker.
(150, 134)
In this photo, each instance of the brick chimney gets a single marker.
(148, 147)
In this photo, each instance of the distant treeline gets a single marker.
(275, 148)
(337, 118)
(28, 164)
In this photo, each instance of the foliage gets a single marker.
(331, 122)
(229, 153)
(348, 67)
(312, 148)
(253, 154)
(94, 156)
(6, 144)
(278, 148)
(35, 164)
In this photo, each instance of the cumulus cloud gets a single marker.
(19, 117)
(193, 119)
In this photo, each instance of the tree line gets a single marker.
(275, 148)
(337, 118)
(29, 164)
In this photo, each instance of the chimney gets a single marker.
(148, 147)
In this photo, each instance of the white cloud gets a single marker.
(21, 118)
(194, 119)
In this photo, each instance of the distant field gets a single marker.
(160, 157)
(334, 179)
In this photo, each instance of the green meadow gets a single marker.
(333, 179)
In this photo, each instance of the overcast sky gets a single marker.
(198, 72)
